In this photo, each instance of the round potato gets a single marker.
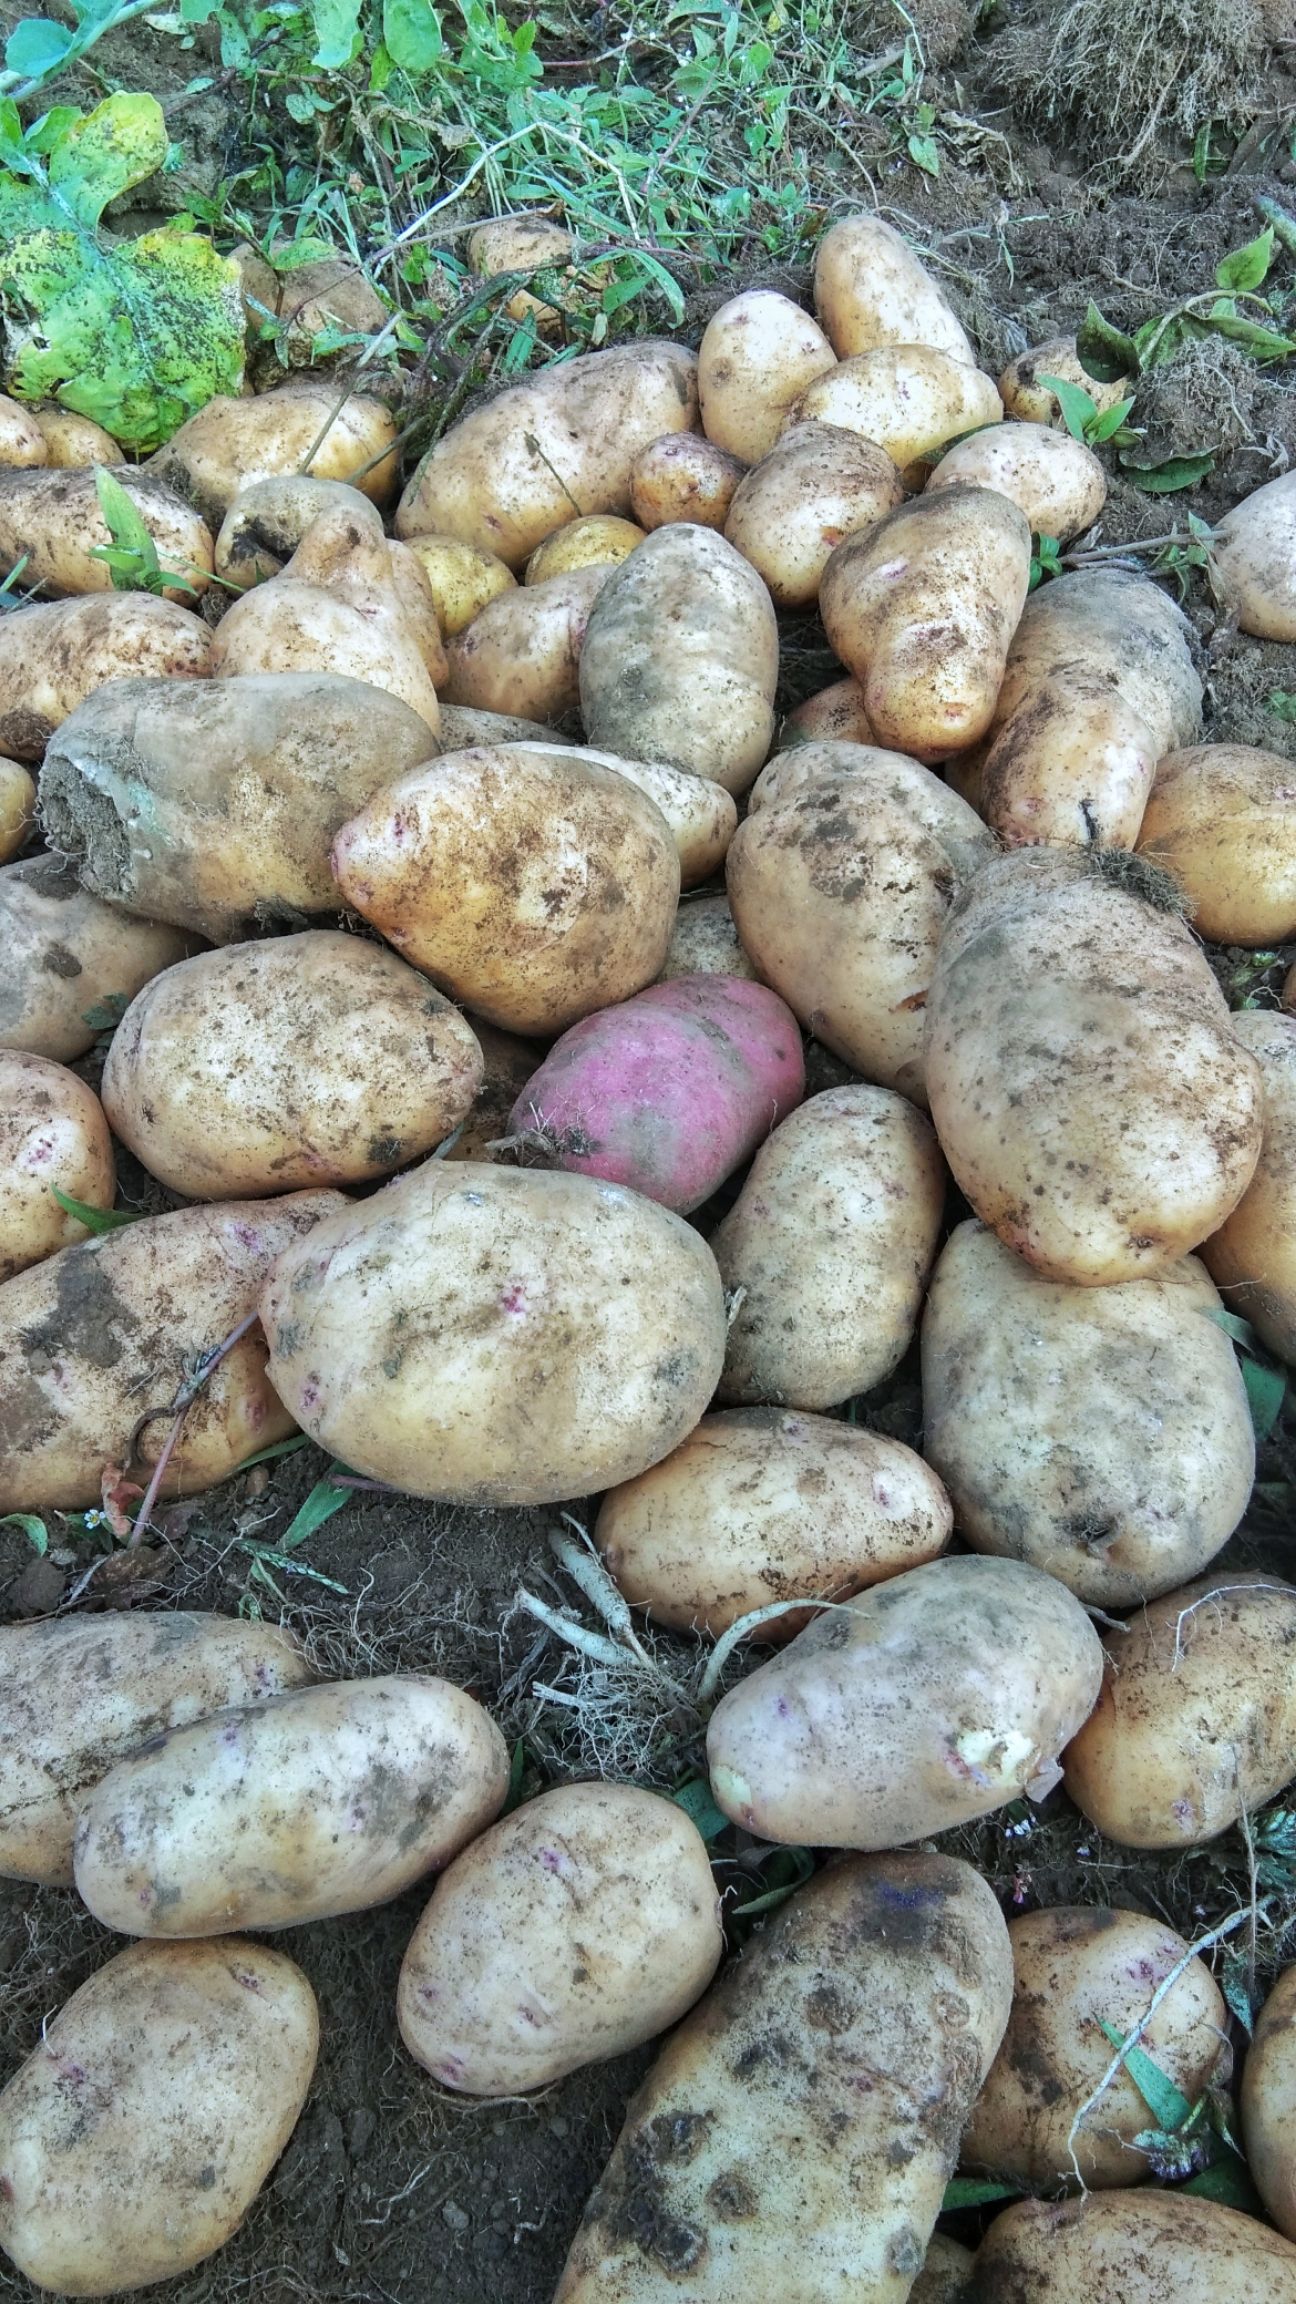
(52, 517)
(870, 289)
(705, 942)
(946, 2276)
(1144, 2247)
(1057, 483)
(143, 2124)
(528, 243)
(1026, 396)
(267, 521)
(580, 1926)
(817, 484)
(22, 443)
(1267, 2101)
(702, 816)
(56, 653)
(1252, 1257)
(907, 398)
(1253, 560)
(17, 807)
(786, 772)
(298, 427)
(520, 657)
(1222, 819)
(835, 714)
(73, 441)
(52, 1132)
(69, 964)
(463, 578)
(757, 355)
(599, 541)
(683, 477)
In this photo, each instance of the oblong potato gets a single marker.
(56, 653)
(1026, 396)
(462, 727)
(817, 484)
(52, 1132)
(1145, 2247)
(297, 427)
(22, 443)
(871, 288)
(69, 964)
(520, 657)
(1253, 558)
(1222, 819)
(52, 517)
(17, 807)
(578, 1927)
(267, 521)
(705, 941)
(683, 477)
(1252, 1257)
(908, 398)
(72, 441)
(1057, 483)
(139, 2131)
(464, 579)
(757, 355)
(599, 540)
(1267, 2102)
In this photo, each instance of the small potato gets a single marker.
(56, 653)
(1080, 1971)
(1145, 2247)
(1056, 482)
(759, 1508)
(1031, 401)
(69, 964)
(297, 427)
(702, 815)
(830, 1242)
(1254, 560)
(143, 2124)
(73, 441)
(1222, 819)
(1197, 1717)
(464, 580)
(462, 727)
(836, 714)
(871, 289)
(508, 1064)
(962, 1680)
(535, 887)
(79, 1693)
(946, 2276)
(758, 353)
(241, 1072)
(53, 517)
(705, 942)
(1267, 2101)
(17, 807)
(522, 244)
(327, 294)
(600, 541)
(497, 1335)
(1252, 1257)
(52, 1131)
(582, 1925)
(267, 521)
(22, 443)
(817, 484)
(521, 656)
(683, 477)
(907, 398)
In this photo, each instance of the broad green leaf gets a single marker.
(1105, 351)
(307, 250)
(1264, 343)
(1266, 1390)
(1103, 427)
(1167, 2104)
(975, 2192)
(1076, 406)
(32, 1526)
(1229, 2182)
(95, 1220)
(925, 154)
(337, 28)
(1232, 1324)
(412, 34)
(694, 1797)
(33, 49)
(786, 1869)
(125, 522)
(1175, 472)
(323, 1501)
(1247, 267)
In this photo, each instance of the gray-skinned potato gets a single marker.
(56, 653)
(946, 2276)
(69, 963)
(1144, 2247)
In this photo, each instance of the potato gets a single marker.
(79, 1693)
(578, 1927)
(907, 398)
(830, 1242)
(597, 542)
(508, 1064)
(1102, 1434)
(96, 1341)
(835, 714)
(922, 609)
(53, 518)
(1222, 819)
(56, 653)
(757, 355)
(522, 244)
(753, 2162)
(1088, 1088)
(680, 660)
(17, 807)
(787, 772)
(1131, 2248)
(1267, 2101)
(73, 441)
(213, 803)
(329, 294)
(1079, 1971)
(534, 886)
(816, 485)
(520, 657)
(704, 942)
(962, 1680)
(840, 896)
(1197, 1716)
(1028, 398)
(413, 588)
(683, 477)
(22, 443)
(547, 451)
(1252, 562)
(1252, 1257)
(1057, 483)
(464, 580)
(946, 2276)
(1100, 682)
(241, 1071)
(497, 1335)
(267, 521)
(143, 2124)
(701, 815)
(462, 727)
(52, 1131)
(69, 964)
(759, 1507)
(298, 427)
(871, 289)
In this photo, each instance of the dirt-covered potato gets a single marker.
(72, 441)
(22, 443)
(52, 1132)
(758, 353)
(1267, 2101)
(1088, 1088)
(526, 243)
(242, 1071)
(56, 653)
(53, 518)
(599, 541)
(827, 1249)
(753, 2163)
(871, 288)
(786, 771)
(508, 1064)
(68, 963)
(1253, 560)
(1252, 1257)
(298, 427)
(1103, 1434)
(946, 2276)
(1027, 397)
(907, 398)
(702, 815)
(1056, 482)
(546, 451)
(532, 886)
(1146, 2247)
(760, 1507)
(835, 714)
(150, 2112)
(267, 521)
(680, 660)
(962, 1681)
(78, 1693)
(683, 476)
(1222, 819)
(497, 1335)
(705, 942)
(17, 807)
(520, 657)
(96, 1342)
(212, 804)
(463, 578)
(817, 484)
(1197, 1717)
(462, 727)
(1080, 1972)
(310, 299)
(578, 1927)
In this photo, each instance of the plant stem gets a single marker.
(181, 1405)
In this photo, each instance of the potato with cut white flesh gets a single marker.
(872, 288)
(22, 443)
(150, 2112)
(1222, 819)
(680, 660)
(79, 1693)
(1143, 2247)
(907, 398)
(69, 964)
(817, 484)
(51, 520)
(1026, 396)
(835, 714)
(17, 807)
(1197, 1718)
(463, 578)
(527, 243)
(297, 427)
(1056, 482)
(1090, 1093)
(1252, 1257)
(962, 1680)
(1253, 560)
(758, 353)
(52, 1132)
(705, 942)
(56, 653)
(683, 477)
(73, 441)
(753, 2162)
(599, 541)
(1267, 2101)
(267, 521)
(96, 1342)
(577, 1928)
(946, 2276)
(521, 656)
(702, 816)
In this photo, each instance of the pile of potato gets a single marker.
(395, 861)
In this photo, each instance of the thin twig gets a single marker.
(181, 1405)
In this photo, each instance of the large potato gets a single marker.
(705, 942)
(56, 653)
(583, 1924)
(96, 1342)
(241, 1072)
(497, 1335)
(52, 1132)
(299, 427)
(79, 1693)
(534, 886)
(1253, 560)
(680, 660)
(908, 398)
(1267, 2101)
(1057, 483)
(53, 518)
(1089, 1091)
(22, 443)
(213, 804)
(1222, 819)
(69, 964)
(759, 1507)
(1197, 1717)
(1131, 2248)
(757, 355)
(17, 807)
(72, 441)
(816, 485)
(464, 579)
(1031, 401)
(267, 521)
(871, 288)
(138, 2133)
(961, 1680)
(702, 816)
(1252, 1257)
(795, 2136)
(827, 1249)
(545, 452)
(520, 657)
(1103, 1434)
(683, 477)
(1080, 1972)
(600, 540)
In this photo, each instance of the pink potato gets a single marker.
(671, 1091)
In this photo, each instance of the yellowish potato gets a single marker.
(1031, 401)
(1147, 2247)
(149, 2114)
(520, 657)
(69, 963)
(267, 521)
(702, 816)
(758, 353)
(52, 1132)
(1252, 560)
(817, 484)
(705, 942)
(413, 589)
(835, 714)
(508, 1064)
(22, 443)
(1267, 2102)
(1057, 483)
(577, 1928)
(297, 427)
(72, 441)
(463, 578)
(528, 243)
(599, 541)
(683, 476)
(55, 653)
(1252, 1257)
(872, 289)
(52, 517)
(17, 807)
(946, 2276)
(1222, 819)
(907, 398)
(788, 772)
(328, 294)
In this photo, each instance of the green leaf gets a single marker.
(1229, 2182)
(1281, 702)
(337, 29)
(124, 520)
(1176, 472)
(32, 1526)
(694, 1797)
(1247, 267)
(1266, 1390)
(1167, 2104)
(1263, 343)
(412, 34)
(290, 1447)
(976, 2192)
(1076, 406)
(323, 1501)
(1232, 1324)
(1110, 421)
(924, 153)
(1105, 352)
(96, 1220)
(513, 1797)
(33, 50)
(786, 1869)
